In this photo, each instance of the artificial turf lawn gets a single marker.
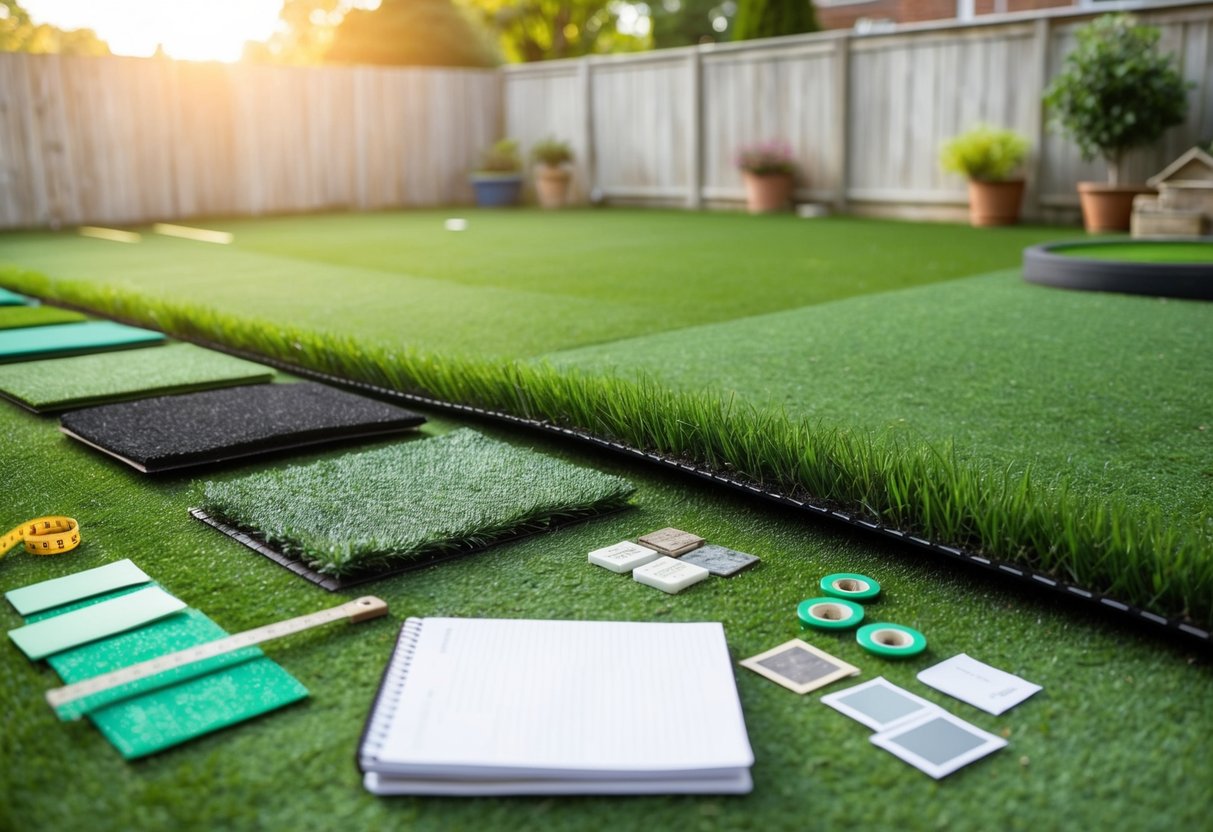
(79, 381)
(378, 508)
(1116, 739)
(1145, 251)
(16, 317)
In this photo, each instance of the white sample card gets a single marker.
(879, 704)
(799, 667)
(938, 743)
(669, 575)
(982, 686)
(623, 557)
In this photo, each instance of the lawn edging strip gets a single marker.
(1042, 534)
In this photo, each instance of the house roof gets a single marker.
(1188, 166)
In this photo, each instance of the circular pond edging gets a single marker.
(1043, 264)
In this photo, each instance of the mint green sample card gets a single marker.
(8, 298)
(87, 584)
(158, 712)
(97, 621)
(72, 339)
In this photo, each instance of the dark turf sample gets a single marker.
(170, 432)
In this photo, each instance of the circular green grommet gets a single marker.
(850, 586)
(829, 613)
(892, 641)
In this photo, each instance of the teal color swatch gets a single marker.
(87, 584)
(96, 621)
(72, 339)
(8, 298)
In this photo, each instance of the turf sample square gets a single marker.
(721, 562)
(57, 384)
(362, 515)
(670, 541)
(172, 432)
(72, 339)
(16, 317)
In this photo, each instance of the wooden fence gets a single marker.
(124, 140)
(866, 114)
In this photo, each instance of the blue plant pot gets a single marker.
(497, 190)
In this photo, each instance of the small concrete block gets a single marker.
(812, 210)
(623, 557)
(670, 575)
(720, 561)
(673, 542)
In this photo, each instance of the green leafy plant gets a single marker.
(985, 153)
(502, 157)
(551, 152)
(767, 158)
(1117, 91)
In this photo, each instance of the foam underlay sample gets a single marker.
(8, 298)
(375, 509)
(72, 339)
(161, 711)
(171, 432)
(16, 317)
(84, 380)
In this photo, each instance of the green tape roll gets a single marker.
(829, 613)
(851, 586)
(892, 641)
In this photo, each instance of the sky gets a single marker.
(197, 30)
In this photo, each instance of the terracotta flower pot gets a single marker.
(766, 193)
(552, 186)
(994, 203)
(1108, 207)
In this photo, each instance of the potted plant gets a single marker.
(1115, 93)
(498, 179)
(552, 175)
(990, 158)
(768, 169)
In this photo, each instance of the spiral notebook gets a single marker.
(505, 707)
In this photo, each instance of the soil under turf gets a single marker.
(727, 303)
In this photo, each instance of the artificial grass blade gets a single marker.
(374, 509)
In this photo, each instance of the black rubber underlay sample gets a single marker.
(173, 432)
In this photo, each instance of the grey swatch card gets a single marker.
(938, 743)
(879, 704)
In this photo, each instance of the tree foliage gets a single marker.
(772, 18)
(688, 22)
(414, 33)
(537, 30)
(18, 33)
(1117, 91)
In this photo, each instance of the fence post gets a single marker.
(842, 119)
(695, 131)
(1037, 79)
(585, 76)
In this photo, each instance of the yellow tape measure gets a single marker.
(43, 536)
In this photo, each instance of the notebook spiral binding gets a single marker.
(391, 687)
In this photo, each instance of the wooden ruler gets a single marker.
(360, 609)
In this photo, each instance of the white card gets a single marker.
(623, 557)
(879, 704)
(938, 743)
(982, 686)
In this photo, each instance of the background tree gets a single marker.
(414, 33)
(688, 22)
(20, 34)
(772, 18)
(537, 30)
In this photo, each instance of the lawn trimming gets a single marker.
(1117, 737)
(1026, 505)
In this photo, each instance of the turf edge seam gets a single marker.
(1025, 578)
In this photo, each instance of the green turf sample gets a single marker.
(1117, 739)
(84, 380)
(15, 317)
(1143, 251)
(72, 339)
(371, 509)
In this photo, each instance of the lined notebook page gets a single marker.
(539, 697)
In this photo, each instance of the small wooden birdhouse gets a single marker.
(1184, 205)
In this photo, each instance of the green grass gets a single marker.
(1117, 739)
(79, 381)
(378, 508)
(1144, 251)
(16, 317)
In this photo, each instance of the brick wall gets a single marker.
(844, 17)
(917, 11)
